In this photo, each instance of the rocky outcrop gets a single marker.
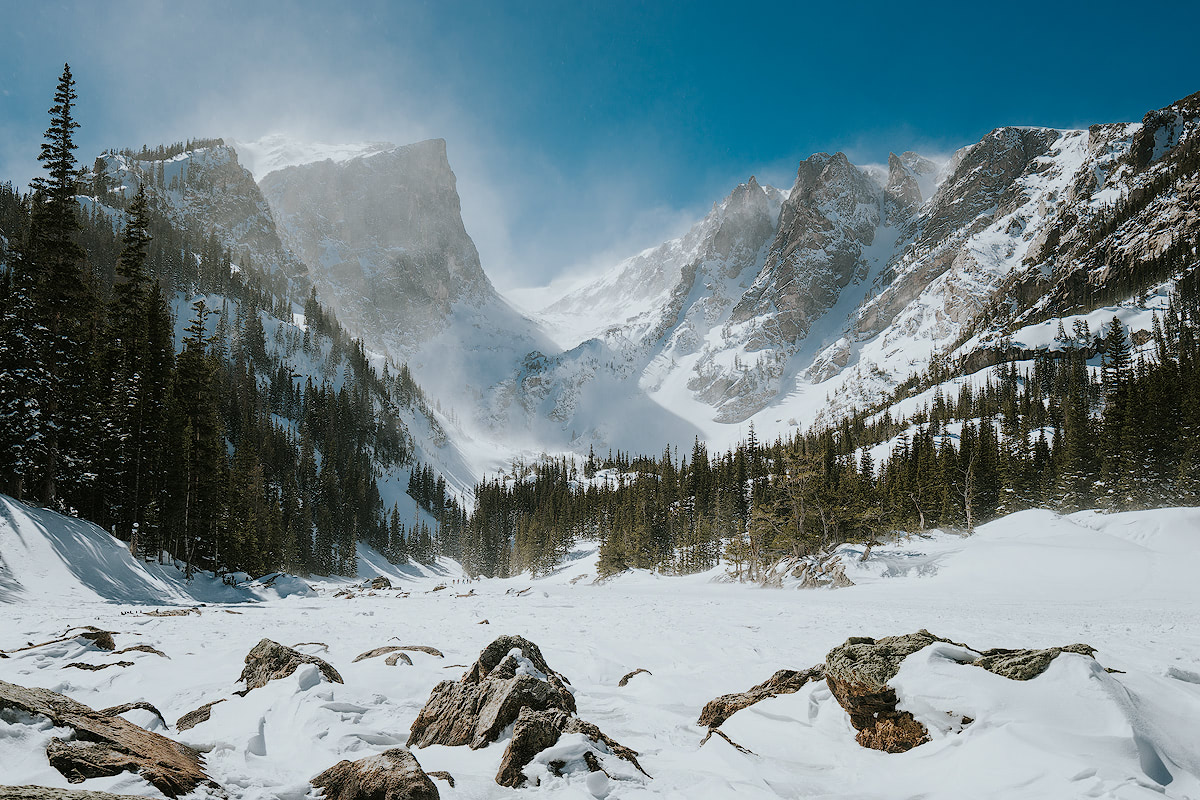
(380, 582)
(392, 775)
(785, 681)
(384, 236)
(107, 745)
(509, 675)
(535, 731)
(511, 685)
(270, 660)
(858, 672)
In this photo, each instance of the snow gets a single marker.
(1123, 583)
(277, 151)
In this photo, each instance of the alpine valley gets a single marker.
(262, 408)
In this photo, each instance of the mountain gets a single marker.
(855, 280)
(383, 236)
(203, 189)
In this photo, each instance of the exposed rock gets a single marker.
(785, 681)
(94, 667)
(107, 745)
(394, 658)
(194, 718)
(1022, 665)
(378, 651)
(858, 672)
(270, 660)
(534, 731)
(379, 583)
(392, 775)
(114, 711)
(509, 675)
(102, 639)
(49, 793)
(637, 671)
(421, 648)
(142, 648)
(442, 775)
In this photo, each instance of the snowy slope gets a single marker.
(1121, 583)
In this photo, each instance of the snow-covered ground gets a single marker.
(1123, 583)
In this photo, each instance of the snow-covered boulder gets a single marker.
(103, 745)
(270, 660)
(509, 675)
(394, 774)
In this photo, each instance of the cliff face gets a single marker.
(384, 237)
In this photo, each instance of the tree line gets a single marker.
(209, 450)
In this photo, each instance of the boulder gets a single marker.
(534, 731)
(379, 583)
(858, 672)
(107, 745)
(113, 711)
(396, 658)
(392, 775)
(509, 675)
(270, 660)
(785, 681)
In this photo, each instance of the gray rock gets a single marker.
(107, 745)
(1023, 665)
(392, 775)
(534, 731)
(270, 660)
(489, 697)
(380, 582)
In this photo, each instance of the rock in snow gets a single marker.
(107, 745)
(509, 675)
(270, 660)
(392, 775)
(48, 793)
(785, 681)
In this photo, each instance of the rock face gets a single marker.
(384, 235)
(392, 775)
(534, 731)
(107, 745)
(270, 660)
(785, 681)
(509, 675)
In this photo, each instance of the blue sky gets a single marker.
(583, 132)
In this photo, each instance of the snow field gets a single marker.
(1122, 583)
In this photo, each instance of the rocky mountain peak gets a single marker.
(384, 236)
